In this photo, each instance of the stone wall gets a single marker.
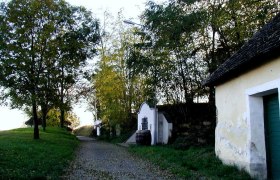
(193, 124)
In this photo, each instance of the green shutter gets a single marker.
(272, 132)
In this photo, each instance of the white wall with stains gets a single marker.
(239, 135)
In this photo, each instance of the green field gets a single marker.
(194, 163)
(21, 157)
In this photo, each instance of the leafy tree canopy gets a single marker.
(43, 44)
(196, 36)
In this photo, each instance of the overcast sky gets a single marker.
(131, 8)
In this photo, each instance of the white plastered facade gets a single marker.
(166, 129)
(160, 129)
(239, 135)
(151, 115)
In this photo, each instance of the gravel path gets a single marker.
(100, 160)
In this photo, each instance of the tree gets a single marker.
(43, 45)
(53, 119)
(173, 51)
(21, 52)
(79, 44)
(116, 87)
(198, 36)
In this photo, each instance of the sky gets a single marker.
(131, 9)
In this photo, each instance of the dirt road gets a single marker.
(100, 160)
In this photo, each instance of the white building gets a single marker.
(157, 122)
(97, 125)
(247, 89)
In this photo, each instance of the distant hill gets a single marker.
(83, 130)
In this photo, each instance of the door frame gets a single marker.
(256, 128)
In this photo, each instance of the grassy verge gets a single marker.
(194, 163)
(21, 157)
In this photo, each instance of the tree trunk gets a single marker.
(44, 118)
(212, 95)
(62, 117)
(62, 106)
(36, 121)
(187, 95)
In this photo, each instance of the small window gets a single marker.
(144, 123)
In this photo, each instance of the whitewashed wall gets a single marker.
(239, 135)
(151, 115)
(167, 128)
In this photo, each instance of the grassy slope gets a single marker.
(83, 131)
(194, 163)
(21, 157)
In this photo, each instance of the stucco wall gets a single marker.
(234, 141)
(167, 128)
(150, 114)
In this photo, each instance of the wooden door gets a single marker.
(272, 133)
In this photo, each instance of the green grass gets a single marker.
(21, 157)
(194, 163)
(83, 131)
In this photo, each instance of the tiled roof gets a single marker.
(262, 47)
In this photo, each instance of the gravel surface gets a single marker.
(100, 160)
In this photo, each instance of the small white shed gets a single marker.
(157, 122)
